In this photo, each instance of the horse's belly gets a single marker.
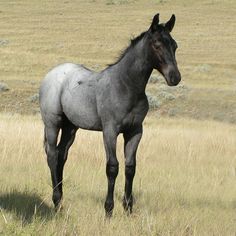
(88, 122)
(81, 109)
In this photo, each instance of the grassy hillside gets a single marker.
(35, 36)
(184, 183)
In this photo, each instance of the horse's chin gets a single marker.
(172, 81)
(172, 84)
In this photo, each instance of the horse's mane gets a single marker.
(133, 42)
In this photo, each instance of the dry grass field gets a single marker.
(186, 169)
(185, 181)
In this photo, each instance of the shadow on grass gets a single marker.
(26, 206)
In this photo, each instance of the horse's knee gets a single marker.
(112, 171)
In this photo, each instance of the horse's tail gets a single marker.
(45, 141)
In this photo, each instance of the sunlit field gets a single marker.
(185, 181)
(186, 165)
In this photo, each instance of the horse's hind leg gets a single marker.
(50, 142)
(67, 139)
(57, 155)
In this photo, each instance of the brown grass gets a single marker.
(184, 183)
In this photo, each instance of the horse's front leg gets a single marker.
(112, 166)
(132, 138)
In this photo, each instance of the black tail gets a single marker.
(45, 141)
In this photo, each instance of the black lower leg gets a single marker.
(67, 138)
(112, 172)
(60, 167)
(52, 163)
(128, 198)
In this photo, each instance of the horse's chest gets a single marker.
(136, 115)
(132, 119)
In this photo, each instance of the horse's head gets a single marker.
(162, 50)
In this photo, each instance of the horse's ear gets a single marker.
(155, 22)
(170, 24)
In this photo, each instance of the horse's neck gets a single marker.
(134, 69)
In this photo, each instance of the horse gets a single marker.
(112, 101)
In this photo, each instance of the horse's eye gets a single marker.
(156, 44)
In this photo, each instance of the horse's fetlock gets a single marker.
(56, 198)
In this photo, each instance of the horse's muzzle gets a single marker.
(173, 78)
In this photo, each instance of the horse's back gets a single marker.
(52, 87)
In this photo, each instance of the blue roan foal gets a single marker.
(112, 101)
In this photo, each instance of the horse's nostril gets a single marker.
(174, 78)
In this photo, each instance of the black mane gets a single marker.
(133, 42)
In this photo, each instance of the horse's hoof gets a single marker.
(58, 207)
(128, 205)
(109, 205)
(108, 214)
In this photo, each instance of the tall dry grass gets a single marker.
(185, 181)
